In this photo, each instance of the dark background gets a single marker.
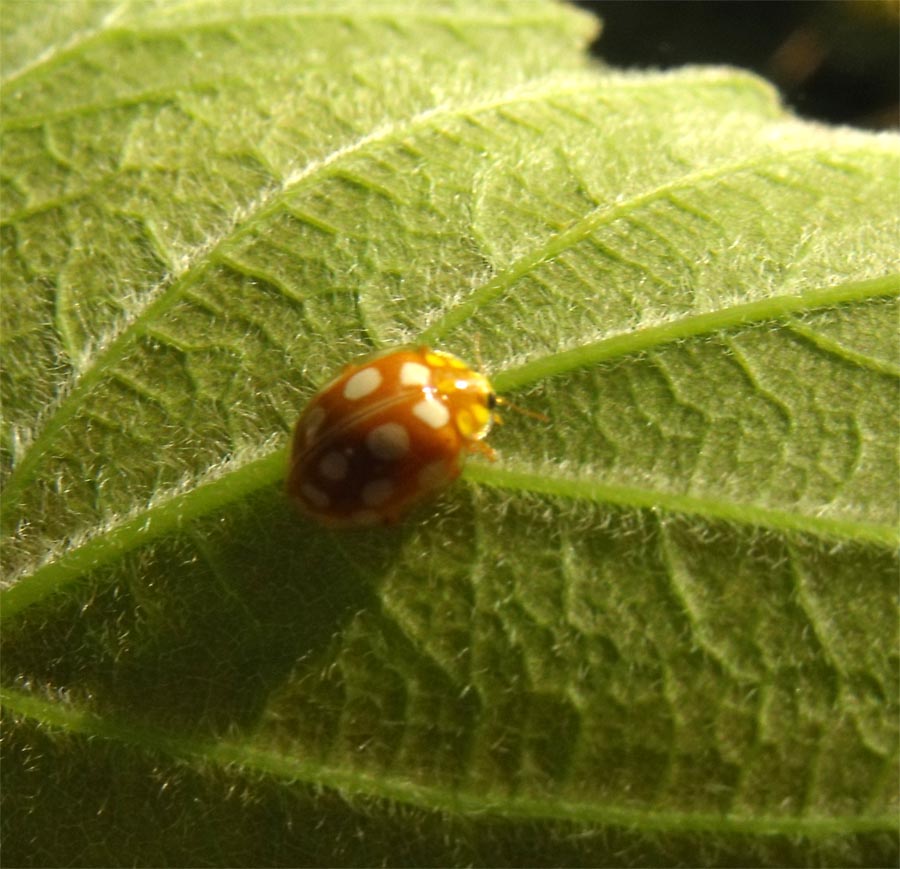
(836, 61)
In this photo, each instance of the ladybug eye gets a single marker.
(492, 401)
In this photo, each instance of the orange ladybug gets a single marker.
(390, 430)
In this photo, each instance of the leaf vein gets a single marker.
(227, 753)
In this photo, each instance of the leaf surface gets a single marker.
(667, 616)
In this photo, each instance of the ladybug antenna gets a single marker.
(500, 401)
(476, 338)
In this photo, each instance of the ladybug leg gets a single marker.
(481, 447)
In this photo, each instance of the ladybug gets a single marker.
(390, 430)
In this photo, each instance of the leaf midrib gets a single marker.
(698, 507)
(400, 789)
(770, 309)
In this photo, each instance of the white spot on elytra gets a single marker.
(366, 517)
(388, 442)
(333, 466)
(432, 412)
(377, 492)
(433, 476)
(362, 383)
(414, 374)
(315, 496)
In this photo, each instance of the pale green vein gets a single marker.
(840, 351)
(52, 54)
(774, 308)
(705, 508)
(75, 396)
(154, 96)
(258, 273)
(312, 220)
(556, 245)
(291, 769)
(164, 516)
(679, 575)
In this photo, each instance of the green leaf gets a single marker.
(663, 624)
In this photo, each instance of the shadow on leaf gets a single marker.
(195, 632)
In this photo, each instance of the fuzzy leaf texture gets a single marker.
(661, 627)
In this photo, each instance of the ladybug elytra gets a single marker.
(390, 430)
